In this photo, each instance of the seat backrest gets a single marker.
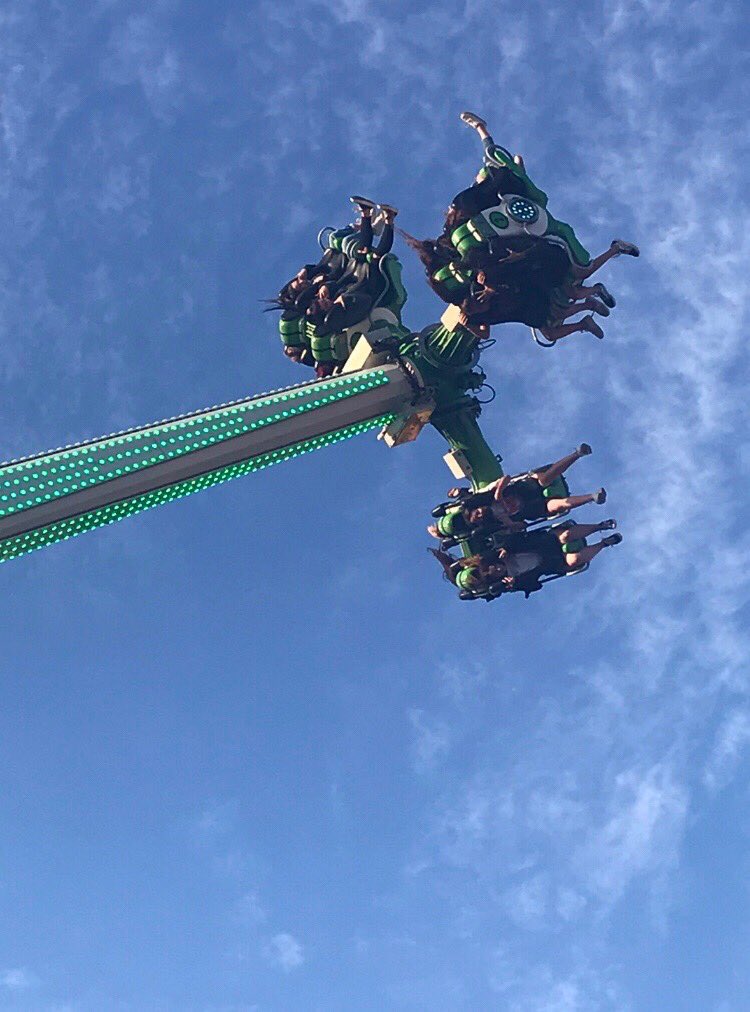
(394, 293)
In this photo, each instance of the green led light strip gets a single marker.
(22, 544)
(29, 483)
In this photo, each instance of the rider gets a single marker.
(555, 551)
(470, 518)
(532, 302)
(526, 557)
(505, 174)
(535, 495)
(325, 299)
(344, 301)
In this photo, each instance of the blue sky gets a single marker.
(254, 755)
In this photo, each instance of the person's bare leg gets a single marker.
(586, 325)
(567, 310)
(574, 532)
(570, 502)
(588, 305)
(575, 559)
(548, 475)
(477, 123)
(597, 291)
(618, 248)
(596, 264)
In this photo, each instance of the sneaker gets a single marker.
(584, 450)
(613, 539)
(605, 295)
(628, 249)
(589, 324)
(601, 497)
(471, 119)
(598, 307)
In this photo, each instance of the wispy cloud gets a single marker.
(18, 979)
(141, 53)
(218, 833)
(431, 740)
(732, 739)
(609, 763)
(283, 950)
(582, 990)
(642, 834)
(250, 910)
(462, 678)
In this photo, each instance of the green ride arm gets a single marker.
(53, 496)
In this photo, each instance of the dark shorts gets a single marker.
(546, 544)
(557, 490)
(533, 501)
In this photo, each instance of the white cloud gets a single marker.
(432, 740)
(216, 820)
(464, 828)
(527, 902)
(283, 950)
(569, 904)
(140, 53)
(731, 740)
(461, 680)
(18, 979)
(601, 791)
(539, 988)
(641, 835)
(250, 910)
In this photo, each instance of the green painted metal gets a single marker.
(54, 496)
(22, 544)
(446, 361)
(31, 482)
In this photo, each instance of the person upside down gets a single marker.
(526, 557)
(501, 553)
(513, 501)
(340, 290)
(502, 271)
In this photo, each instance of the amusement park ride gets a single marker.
(501, 257)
